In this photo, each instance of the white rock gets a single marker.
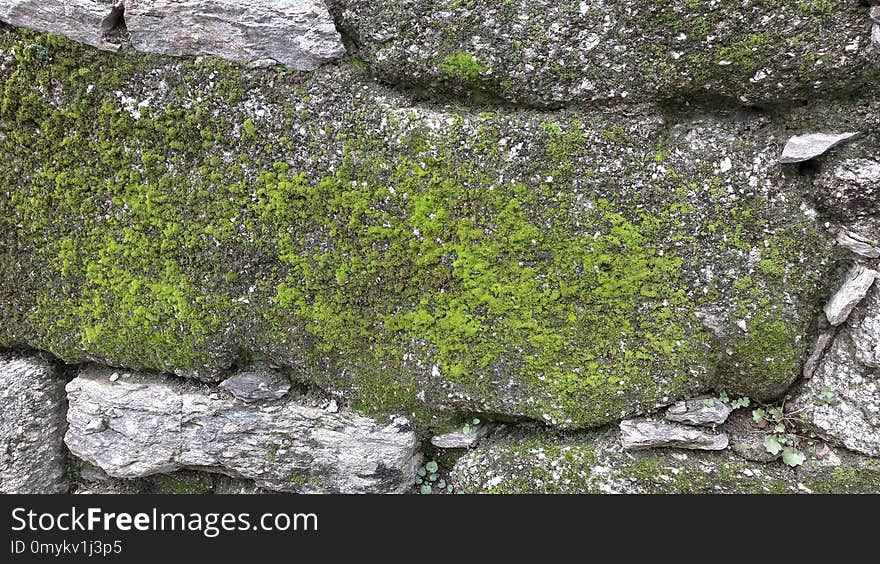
(857, 244)
(805, 147)
(858, 281)
(842, 400)
(644, 433)
(297, 33)
(158, 425)
(85, 21)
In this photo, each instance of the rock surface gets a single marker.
(847, 189)
(820, 347)
(32, 407)
(259, 383)
(706, 411)
(296, 33)
(460, 439)
(805, 147)
(842, 400)
(855, 287)
(841, 472)
(85, 21)
(536, 462)
(552, 52)
(157, 425)
(560, 257)
(857, 244)
(644, 433)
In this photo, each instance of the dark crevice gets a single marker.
(113, 28)
(350, 39)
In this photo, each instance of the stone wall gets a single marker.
(313, 247)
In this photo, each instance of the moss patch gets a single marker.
(155, 219)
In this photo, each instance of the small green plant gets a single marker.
(826, 397)
(429, 480)
(724, 398)
(467, 426)
(782, 437)
(741, 402)
(250, 129)
(39, 52)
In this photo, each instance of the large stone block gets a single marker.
(138, 425)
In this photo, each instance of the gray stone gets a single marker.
(842, 400)
(805, 147)
(554, 53)
(32, 454)
(705, 411)
(644, 433)
(823, 342)
(855, 287)
(849, 189)
(460, 439)
(258, 383)
(875, 29)
(296, 33)
(531, 462)
(159, 425)
(865, 332)
(85, 21)
(857, 244)
(91, 473)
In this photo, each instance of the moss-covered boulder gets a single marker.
(574, 267)
(522, 461)
(552, 53)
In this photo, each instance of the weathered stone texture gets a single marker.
(842, 400)
(32, 407)
(296, 33)
(142, 425)
(85, 21)
(552, 52)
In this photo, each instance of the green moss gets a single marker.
(183, 239)
(181, 483)
(855, 475)
(767, 356)
(463, 65)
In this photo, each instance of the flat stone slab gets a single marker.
(802, 148)
(858, 281)
(707, 411)
(85, 21)
(296, 33)
(857, 244)
(149, 425)
(644, 433)
(257, 384)
(460, 439)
